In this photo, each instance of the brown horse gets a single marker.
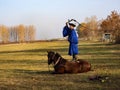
(62, 65)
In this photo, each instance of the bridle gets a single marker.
(52, 58)
(57, 61)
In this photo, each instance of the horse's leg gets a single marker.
(61, 70)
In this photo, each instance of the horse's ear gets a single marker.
(58, 54)
(47, 51)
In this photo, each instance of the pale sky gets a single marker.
(49, 16)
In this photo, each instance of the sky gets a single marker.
(49, 16)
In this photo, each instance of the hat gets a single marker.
(72, 23)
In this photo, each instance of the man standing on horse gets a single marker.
(69, 31)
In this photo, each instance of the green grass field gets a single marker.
(24, 67)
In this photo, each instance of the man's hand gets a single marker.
(67, 23)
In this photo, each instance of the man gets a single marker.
(69, 31)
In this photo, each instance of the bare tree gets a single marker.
(92, 26)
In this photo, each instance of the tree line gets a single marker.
(20, 33)
(92, 29)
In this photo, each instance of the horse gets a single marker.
(62, 65)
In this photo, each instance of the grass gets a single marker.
(24, 66)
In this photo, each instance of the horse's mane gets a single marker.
(58, 55)
(63, 60)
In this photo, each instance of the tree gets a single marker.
(0, 33)
(92, 25)
(4, 34)
(83, 31)
(112, 25)
(31, 33)
(88, 29)
(21, 33)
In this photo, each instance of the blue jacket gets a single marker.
(73, 40)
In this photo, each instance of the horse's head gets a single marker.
(50, 56)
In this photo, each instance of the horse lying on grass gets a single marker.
(62, 65)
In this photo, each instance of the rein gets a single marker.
(49, 68)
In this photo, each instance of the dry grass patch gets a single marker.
(24, 67)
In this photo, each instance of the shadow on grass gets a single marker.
(23, 71)
(35, 50)
(35, 72)
(32, 72)
(84, 49)
(33, 62)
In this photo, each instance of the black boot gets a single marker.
(74, 57)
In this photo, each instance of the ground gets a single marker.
(24, 66)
